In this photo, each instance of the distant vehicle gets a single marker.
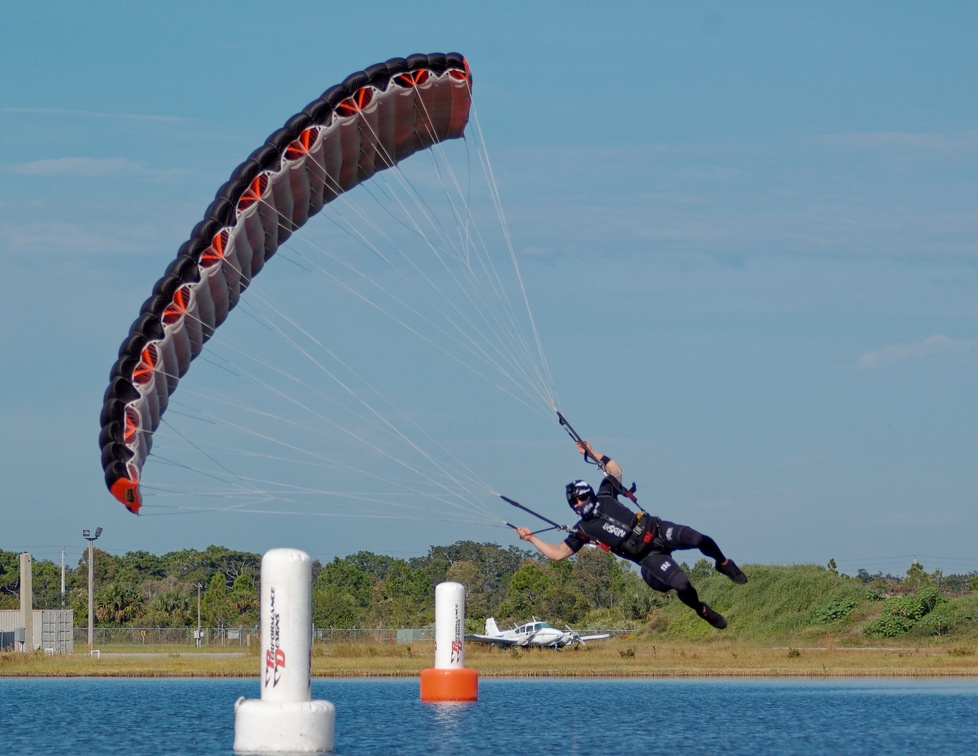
(536, 634)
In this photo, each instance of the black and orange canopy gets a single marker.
(372, 120)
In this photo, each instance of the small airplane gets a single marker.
(535, 633)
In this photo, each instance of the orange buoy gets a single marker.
(449, 680)
(449, 684)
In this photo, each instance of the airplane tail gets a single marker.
(491, 628)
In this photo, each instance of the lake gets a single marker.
(512, 716)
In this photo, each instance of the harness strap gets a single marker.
(640, 540)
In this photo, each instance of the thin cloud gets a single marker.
(947, 144)
(76, 166)
(95, 114)
(85, 167)
(932, 346)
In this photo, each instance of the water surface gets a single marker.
(512, 716)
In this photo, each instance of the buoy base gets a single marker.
(449, 685)
(283, 727)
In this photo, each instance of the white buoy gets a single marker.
(450, 680)
(285, 719)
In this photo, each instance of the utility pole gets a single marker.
(87, 534)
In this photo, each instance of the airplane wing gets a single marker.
(495, 639)
(586, 638)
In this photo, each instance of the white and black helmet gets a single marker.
(581, 489)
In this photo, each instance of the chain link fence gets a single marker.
(222, 637)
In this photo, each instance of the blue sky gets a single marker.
(747, 231)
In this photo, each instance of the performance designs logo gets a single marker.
(456, 656)
(275, 655)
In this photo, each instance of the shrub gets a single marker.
(835, 610)
(887, 626)
(914, 605)
(901, 613)
(941, 621)
(876, 594)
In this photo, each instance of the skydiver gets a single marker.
(647, 541)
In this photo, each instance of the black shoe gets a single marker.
(732, 571)
(714, 618)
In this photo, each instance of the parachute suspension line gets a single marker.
(278, 492)
(283, 490)
(517, 334)
(469, 344)
(522, 358)
(302, 452)
(546, 376)
(355, 230)
(461, 483)
(247, 485)
(507, 331)
(381, 421)
(206, 472)
(467, 289)
(473, 241)
(286, 492)
(415, 331)
(502, 362)
(423, 515)
(463, 222)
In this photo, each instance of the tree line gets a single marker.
(368, 590)
(362, 590)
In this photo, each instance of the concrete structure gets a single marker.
(51, 631)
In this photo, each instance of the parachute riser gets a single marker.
(553, 525)
(619, 486)
(535, 532)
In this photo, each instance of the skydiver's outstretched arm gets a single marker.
(556, 552)
(611, 467)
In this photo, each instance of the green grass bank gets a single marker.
(624, 656)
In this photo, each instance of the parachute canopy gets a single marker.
(372, 120)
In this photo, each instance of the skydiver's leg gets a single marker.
(684, 537)
(661, 573)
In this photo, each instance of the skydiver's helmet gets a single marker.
(578, 490)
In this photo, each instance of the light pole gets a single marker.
(87, 534)
(199, 586)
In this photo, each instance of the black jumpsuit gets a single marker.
(610, 524)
